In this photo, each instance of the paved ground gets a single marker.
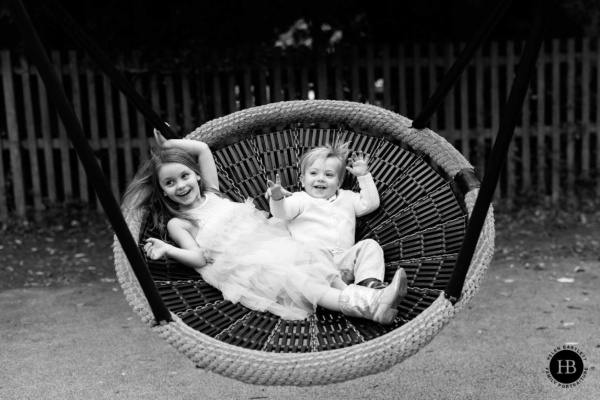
(67, 332)
(84, 342)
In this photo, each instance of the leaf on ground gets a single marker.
(565, 280)
(539, 266)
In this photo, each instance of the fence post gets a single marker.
(13, 135)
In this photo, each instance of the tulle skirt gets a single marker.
(256, 262)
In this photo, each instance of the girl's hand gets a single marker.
(275, 190)
(358, 164)
(156, 248)
(160, 139)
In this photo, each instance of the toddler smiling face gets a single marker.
(321, 179)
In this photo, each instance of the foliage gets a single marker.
(153, 26)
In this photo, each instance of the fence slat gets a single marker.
(291, 79)
(261, 88)
(418, 89)
(449, 104)
(170, 97)
(247, 86)
(571, 128)
(113, 166)
(355, 79)
(31, 137)
(432, 81)
(77, 107)
(93, 119)
(125, 133)
(542, 170)
(304, 87)
(556, 153)
(465, 131)
(387, 77)
(370, 74)
(511, 158)
(186, 100)
(597, 120)
(65, 156)
(3, 191)
(9, 107)
(321, 92)
(277, 94)
(480, 112)
(402, 81)
(216, 85)
(339, 76)
(526, 144)
(13, 134)
(586, 144)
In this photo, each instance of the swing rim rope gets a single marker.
(303, 369)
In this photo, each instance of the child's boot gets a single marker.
(377, 305)
(372, 283)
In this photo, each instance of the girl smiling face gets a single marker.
(180, 184)
(322, 178)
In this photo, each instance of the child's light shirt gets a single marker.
(330, 222)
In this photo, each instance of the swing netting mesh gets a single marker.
(420, 225)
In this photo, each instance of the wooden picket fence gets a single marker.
(554, 156)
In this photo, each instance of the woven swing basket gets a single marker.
(420, 225)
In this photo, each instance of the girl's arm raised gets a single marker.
(208, 169)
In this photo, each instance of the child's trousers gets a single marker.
(361, 261)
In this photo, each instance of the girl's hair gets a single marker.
(145, 192)
(337, 150)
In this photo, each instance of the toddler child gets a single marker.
(324, 215)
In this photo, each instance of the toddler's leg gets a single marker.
(377, 305)
(362, 263)
(331, 300)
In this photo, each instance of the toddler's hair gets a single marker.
(338, 150)
(145, 193)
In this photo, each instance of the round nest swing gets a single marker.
(427, 193)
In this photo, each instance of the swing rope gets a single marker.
(444, 87)
(88, 159)
(499, 151)
(89, 47)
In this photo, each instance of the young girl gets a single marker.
(235, 248)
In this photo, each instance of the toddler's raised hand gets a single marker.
(275, 190)
(358, 164)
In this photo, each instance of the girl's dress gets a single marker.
(254, 261)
